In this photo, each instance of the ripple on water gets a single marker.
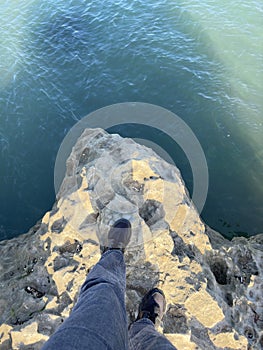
(61, 60)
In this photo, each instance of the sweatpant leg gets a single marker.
(144, 336)
(98, 321)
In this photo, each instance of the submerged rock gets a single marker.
(213, 287)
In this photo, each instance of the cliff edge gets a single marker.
(214, 287)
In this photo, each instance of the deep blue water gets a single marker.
(60, 60)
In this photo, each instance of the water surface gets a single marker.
(60, 60)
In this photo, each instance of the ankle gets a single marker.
(104, 249)
(149, 316)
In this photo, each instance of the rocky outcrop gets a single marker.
(213, 286)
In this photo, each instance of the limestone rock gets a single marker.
(213, 287)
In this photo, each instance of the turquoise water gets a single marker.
(60, 60)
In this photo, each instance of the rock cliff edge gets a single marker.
(214, 287)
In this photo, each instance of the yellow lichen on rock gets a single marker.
(221, 339)
(251, 282)
(179, 217)
(204, 308)
(52, 304)
(189, 227)
(83, 194)
(154, 190)
(161, 244)
(173, 195)
(141, 170)
(75, 211)
(28, 335)
(49, 263)
(181, 341)
(173, 282)
(54, 317)
(46, 217)
(200, 240)
(5, 332)
(62, 277)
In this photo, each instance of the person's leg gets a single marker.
(98, 321)
(142, 333)
(144, 336)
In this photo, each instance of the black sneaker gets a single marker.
(119, 236)
(152, 306)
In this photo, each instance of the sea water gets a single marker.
(60, 60)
